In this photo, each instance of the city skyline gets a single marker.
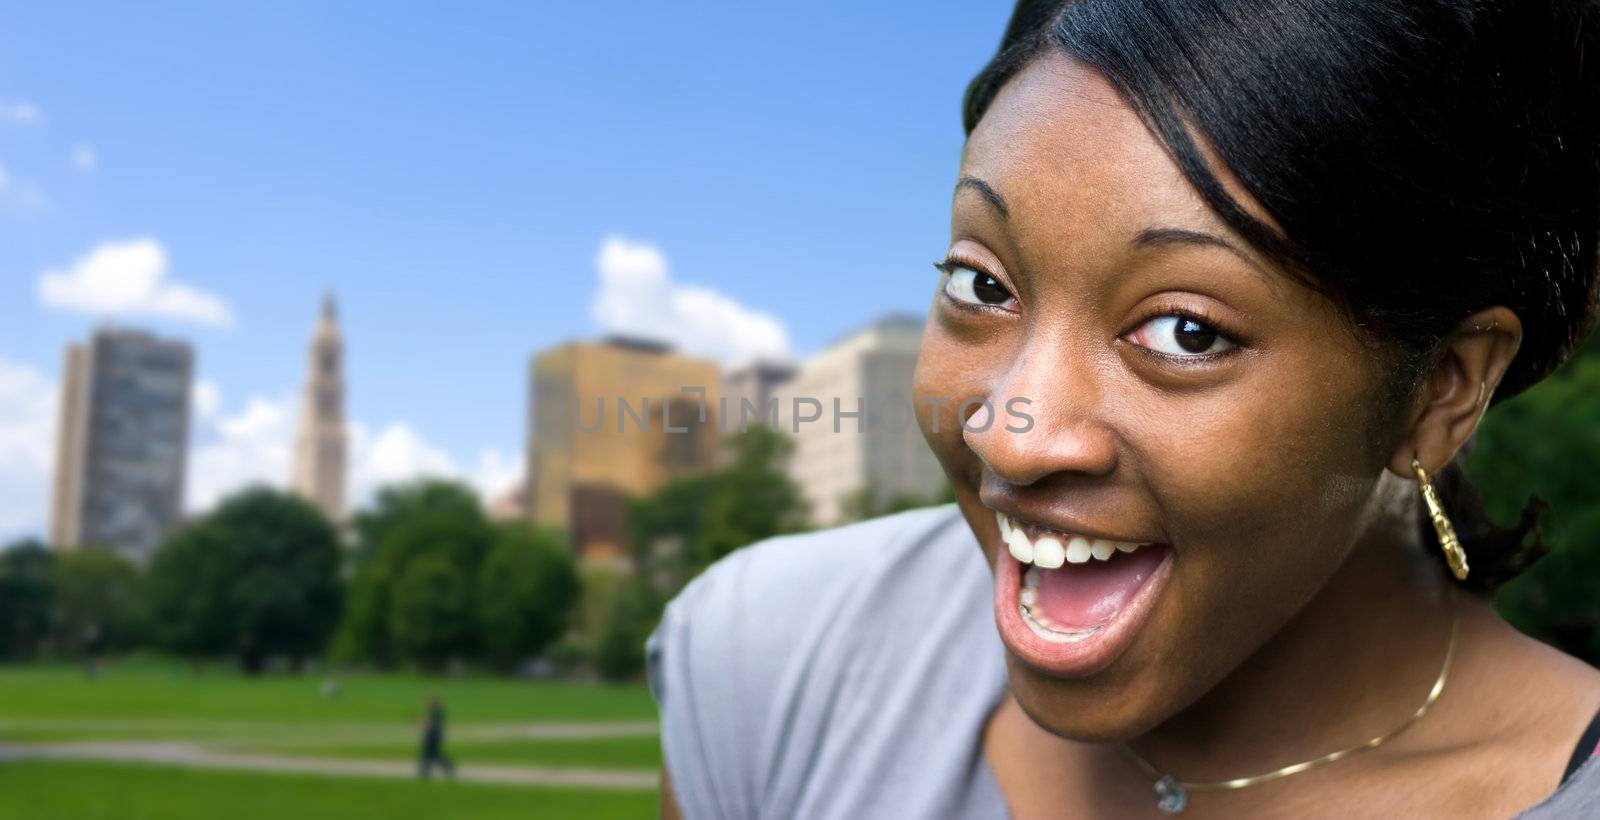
(460, 234)
(869, 367)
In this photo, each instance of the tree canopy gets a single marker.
(258, 577)
(526, 593)
(1547, 441)
(436, 581)
(692, 521)
(25, 598)
(95, 600)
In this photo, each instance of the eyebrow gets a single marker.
(1155, 237)
(988, 192)
(1147, 238)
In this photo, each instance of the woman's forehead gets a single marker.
(1059, 142)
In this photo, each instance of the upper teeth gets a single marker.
(1048, 551)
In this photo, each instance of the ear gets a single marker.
(1456, 391)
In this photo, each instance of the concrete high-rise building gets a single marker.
(751, 391)
(868, 372)
(121, 442)
(320, 450)
(609, 421)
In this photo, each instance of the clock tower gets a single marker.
(320, 447)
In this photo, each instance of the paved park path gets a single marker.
(184, 753)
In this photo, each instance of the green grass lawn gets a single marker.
(147, 691)
(373, 717)
(38, 790)
(639, 753)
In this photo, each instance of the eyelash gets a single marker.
(1194, 315)
(953, 261)
(948, 266)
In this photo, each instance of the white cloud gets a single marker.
(27, 444)
(397, 453)
(21, 112)
(84, 158)
(496, 474)
(129, 278)
(256, 446)
(638, 297)
(252, 446)
(205, 400)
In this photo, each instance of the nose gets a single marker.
(1068, 434)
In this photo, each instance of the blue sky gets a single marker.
(454, 173)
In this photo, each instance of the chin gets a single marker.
(1086, 711)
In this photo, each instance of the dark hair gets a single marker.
(1426, 159)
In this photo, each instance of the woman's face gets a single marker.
(1183, 395)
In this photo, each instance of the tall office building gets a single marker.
(751, 391)
(869, 372)
(610, 421)
(121, 442)
(320, 449)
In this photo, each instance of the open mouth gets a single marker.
(1070, 604)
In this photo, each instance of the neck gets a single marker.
(1356, 661)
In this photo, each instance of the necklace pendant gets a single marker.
(1171, 796)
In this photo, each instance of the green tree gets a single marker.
(526, 593)
(756, 498)
(667, 530)
(363, 634)
(1547, 441)
(431, 618)
(619, 649)
(429, 518)
(186, 605)
(690, 522)
(1590, 347)
(420, 517)
(870, 501)
(258, 577)
(289, 592)
(96, 596)
(25, 598)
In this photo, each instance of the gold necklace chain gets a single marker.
(1172, 794)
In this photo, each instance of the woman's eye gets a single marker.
(974, 287)
(1180, 337)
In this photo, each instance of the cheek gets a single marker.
(1263, 497)
(948, 371)
(1277, 457)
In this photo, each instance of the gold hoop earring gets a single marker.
(1453, 553)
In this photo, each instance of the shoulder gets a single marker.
(754, 605)
(1519, 700)
(828, 562)
(1578, 796)
(778, 669)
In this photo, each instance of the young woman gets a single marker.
(1230, 286)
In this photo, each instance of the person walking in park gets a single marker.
(433, 741)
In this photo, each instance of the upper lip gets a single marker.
(1053, 520)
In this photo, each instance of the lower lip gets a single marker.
(1083, 657)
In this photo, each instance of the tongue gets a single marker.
(1080, 596)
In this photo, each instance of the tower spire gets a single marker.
(320, 446)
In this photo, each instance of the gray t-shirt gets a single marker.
(849, 673)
